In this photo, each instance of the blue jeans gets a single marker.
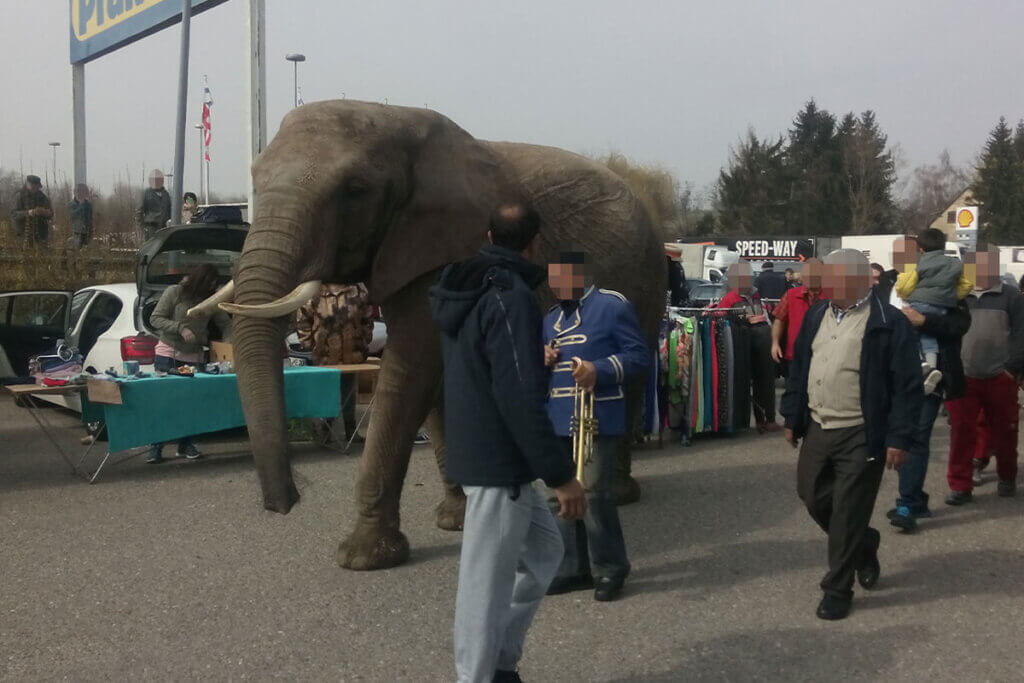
(914, 470)
(929, 344)
(594, 545)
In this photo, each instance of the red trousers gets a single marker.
(996, 397)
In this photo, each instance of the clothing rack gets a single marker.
(703, 370)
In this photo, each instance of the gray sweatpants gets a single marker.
(511, 550)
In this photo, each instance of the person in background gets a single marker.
(183, 339)
(791, 278)
(993, 360)
(154, 211)
(949, 329)
(933, 285)
(189, 204)
(80, 209)
(769, 284)
(337, 326)
(762, 370)
(789, 314)
(592, 340)
(500, 441)
(854, 397)
(32, 213)
(877, 271)
(679, 292)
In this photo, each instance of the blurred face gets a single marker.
(904, 253)
(847, 280)
(984, 270)
(190, 203)
(812, 272)
(876, 276)
(741, 278)
(567, 280)
(156, 180)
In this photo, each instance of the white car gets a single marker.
(98, 321)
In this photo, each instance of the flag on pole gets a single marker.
(207, 108)
(300, 102)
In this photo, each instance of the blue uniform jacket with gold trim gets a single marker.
(603, 330)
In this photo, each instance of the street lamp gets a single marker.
(295, 58)
(54, 145)
(199, 127)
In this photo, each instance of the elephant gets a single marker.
(352, 191)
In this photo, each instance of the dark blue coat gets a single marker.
(494, 379)
(604, 331)
(891, 391)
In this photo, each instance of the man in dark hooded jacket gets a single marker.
(500, 440)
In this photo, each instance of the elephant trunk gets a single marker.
(267, 270)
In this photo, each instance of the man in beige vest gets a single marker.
(853, 395)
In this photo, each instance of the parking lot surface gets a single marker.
(175, 572)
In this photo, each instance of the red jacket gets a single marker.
(791, 311)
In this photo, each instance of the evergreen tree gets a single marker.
(814, 164)
(869, 172)
(752, 192)
(997, 187)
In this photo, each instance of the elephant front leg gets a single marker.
(451, 511)
(406, 390)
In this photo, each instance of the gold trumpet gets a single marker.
(582, 426)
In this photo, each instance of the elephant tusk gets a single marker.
(275, 309)
(207, 307)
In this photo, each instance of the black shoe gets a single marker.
(569, 584)
(834, 608)
(1006, 489)
(506, 677)
(959, 497)
(902, 518)
(870, 570)
(608, 589)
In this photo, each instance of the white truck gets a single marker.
(707, 261)
(878, 248)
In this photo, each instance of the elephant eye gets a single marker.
(355, 188)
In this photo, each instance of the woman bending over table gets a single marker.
(182, 339)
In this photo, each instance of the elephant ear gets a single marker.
(453, 190)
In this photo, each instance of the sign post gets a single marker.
(98, 28)
(256, 84)
(179, 128)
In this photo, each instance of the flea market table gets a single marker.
(139, 412)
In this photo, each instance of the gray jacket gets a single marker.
(995, 341)
(155, 208)
(937, 278)
(170, 317)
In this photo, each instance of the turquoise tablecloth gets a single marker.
(157, 409)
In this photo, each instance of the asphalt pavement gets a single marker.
(175, 572)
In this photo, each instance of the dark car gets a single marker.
(172, 253)
(703, 296)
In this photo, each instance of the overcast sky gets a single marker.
(675, 83)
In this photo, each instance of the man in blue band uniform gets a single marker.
(599, 327)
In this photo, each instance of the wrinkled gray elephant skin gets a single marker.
(360, 192)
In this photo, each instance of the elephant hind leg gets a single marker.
(451, 511)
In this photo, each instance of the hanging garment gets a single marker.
(722, 412)
(714, 376)
(741, 379)
(730, 382)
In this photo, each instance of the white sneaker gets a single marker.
(931, 382)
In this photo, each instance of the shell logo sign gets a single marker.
(967, 218)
